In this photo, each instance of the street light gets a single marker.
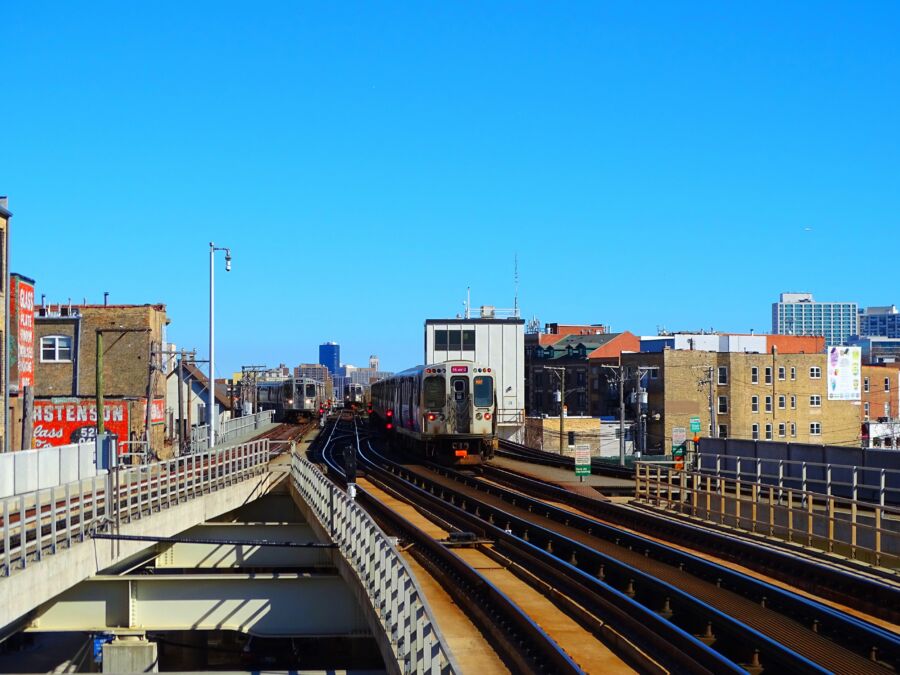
(211, 403)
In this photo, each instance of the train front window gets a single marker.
(484, 391)
(435, 391)
(310, 391)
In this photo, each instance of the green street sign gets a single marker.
(695, 424)
(678, 450)
(583, 459)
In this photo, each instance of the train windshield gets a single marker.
(435, 392)
(484, 391)
(311, 390)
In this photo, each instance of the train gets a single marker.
(443, 411)
(354, 396)
(293, 399)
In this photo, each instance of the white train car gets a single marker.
(354, 396)
(292, 399)
(445, 411)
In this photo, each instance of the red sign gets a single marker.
(21, 308)
(459, 369)
(157, 411)
(64, 421)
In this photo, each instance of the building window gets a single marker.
(782, 373)
(723, 431)
(815, 373)
(723, 405)
(793, 402)
(754, 375)
(768, 404)
(440, 340)
(815, 401)
(754, 404)
(56, 348)
(768, 374)
(754, 432)
(866, 409)
(815, 429)
(866, 384)
(782, 429)
(793, 430)
(782, 402)
(654, 373)
(793, 373)
(887, 384)
(768, 432)
(723, 374)
(468, 340)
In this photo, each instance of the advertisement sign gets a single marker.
(157, 411)
(844, 373)
(583, 459)
(21, 343)
(71, 420)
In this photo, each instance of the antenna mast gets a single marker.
(516, 281)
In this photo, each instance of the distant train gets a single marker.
(293, 399)
(354, 396)
(445, 411)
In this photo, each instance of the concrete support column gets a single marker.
(130, 654)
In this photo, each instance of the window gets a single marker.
(56, 348)
(768, 432)
(815, 401)
(782, 402)
(723, 431)
(484, 391)
(723, 405)
(793, 373)
(866, 409)
(782, 373)
(723, 374)
(793, 430)
(435, 391)
(866, 384)
(311, 391)
(754, 375)
(440, 340)
(815, 373)
(793, 402)
(754, 432)
(815, 429)
(768, 374)
(887, 384)
(768, 404)
(468, 340)
(654, 373)
(754, 404)
(454, 340)
(782, 429)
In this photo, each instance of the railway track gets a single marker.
(599, 467)
(747, 622)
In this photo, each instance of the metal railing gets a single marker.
(25, 471)
(42, 522)
(391, 586)
(857, 530)
(858, 483)
(229, 430)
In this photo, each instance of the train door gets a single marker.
(459, 386)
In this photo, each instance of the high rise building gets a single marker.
(800, 314)
(373, 362)
(880, 322)
(330, 356)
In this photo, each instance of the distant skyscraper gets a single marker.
(373, 362)
(330, 356)
(800, 314)
(880, 321)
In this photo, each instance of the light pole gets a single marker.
(211, 404)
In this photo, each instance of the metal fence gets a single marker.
(858, 530)
(859, 483)
(39, 523)
(391, 586)
(229, 430)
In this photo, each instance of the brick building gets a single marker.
(774, 396)
(65, 371)
(5, 216)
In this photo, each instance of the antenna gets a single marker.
(516, 282)
(468, 301)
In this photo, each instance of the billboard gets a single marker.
(844, 373)
(21, 329)
(70, 420)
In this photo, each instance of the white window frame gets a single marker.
(768, 404)
(782, 402)
(723, 431)
(793, 401)
(782, 373)
(722, 375)
(815, 428)
(793, 430)
(865, 384)
(722, 403)
(754, 404)
(815, 401)
(768, 375)
(754, 432)
(815, 373)
(56, 348)
(887, 384)
(782, 429)
(754, 375)
(793, 373)
(768, 432)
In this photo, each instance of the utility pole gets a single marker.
(620, 380)
(708, 381)
(639, 436)
(181, 403)
(561, 374)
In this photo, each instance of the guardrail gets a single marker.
(860, 483)
(391, 586)
(229, 430)
(39, 523)
(848, 527)
(24, 471)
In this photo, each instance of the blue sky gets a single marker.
(650, 163)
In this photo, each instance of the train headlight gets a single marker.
(487, 416)
(478, 416)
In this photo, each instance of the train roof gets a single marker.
(409, 372)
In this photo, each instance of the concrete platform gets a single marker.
(591, 485)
